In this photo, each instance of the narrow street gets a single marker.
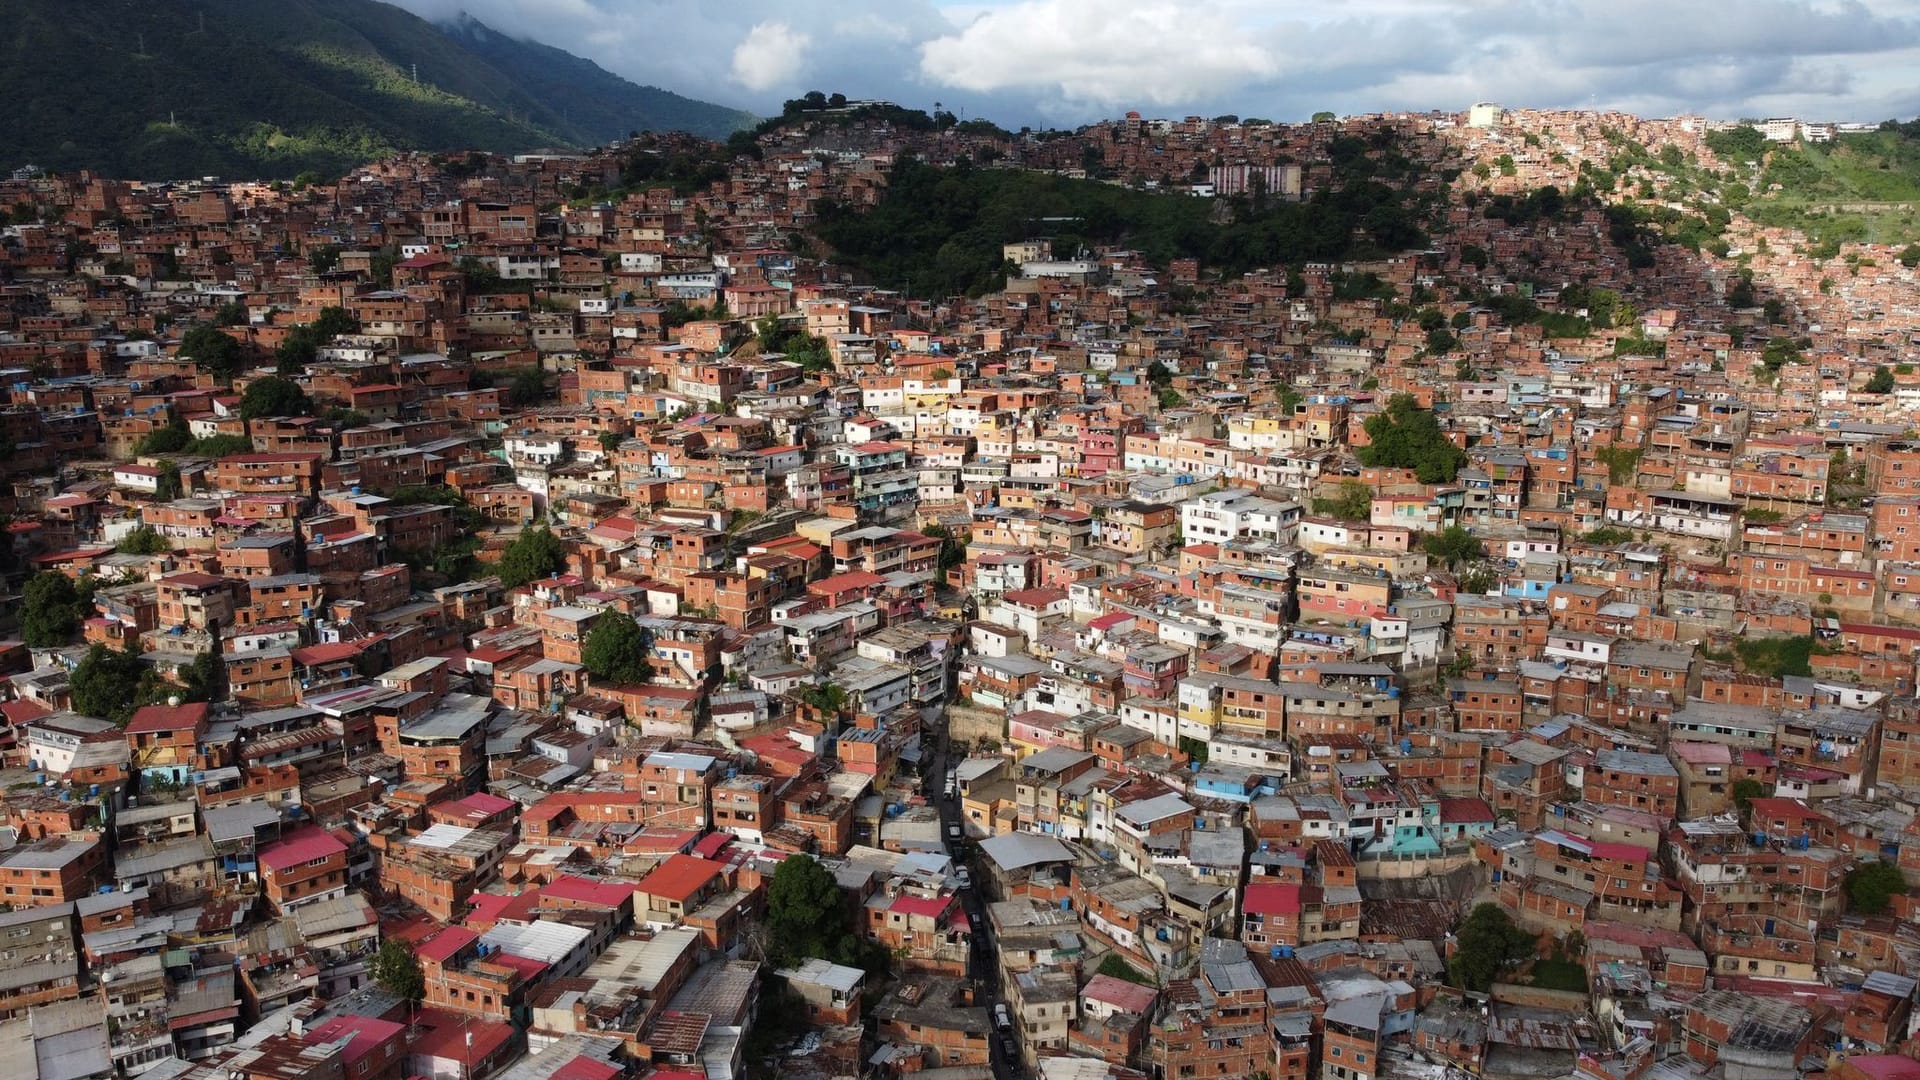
(982, 967)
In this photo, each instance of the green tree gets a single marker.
(145, 540)
(50, 610)
(536, 553)
(1171, 399)
(1910, 256)
(334, 321)
(1353, 503)
(107, 683)
(216, 353)
(274, 396)
(953, 549)
(1405, 436)
(806, 912)
(528, 387)
(1745, 790)
(1872, 886)
(164, 440)
(200, 679)
(397, 971)
(167, 488)
(1485, 944)
(1323, 117)
(219, 446)
(616, 650)
(1453, 545)
(1881, 382)
(1477, 580)
(233, 314)
(299, 348)
(823, 697)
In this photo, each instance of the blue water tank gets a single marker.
(1274, 952)
(1161, 933)
(93, 791)
(1286, 952)
(1406, 746)
(1759, 839)
(1066, 903)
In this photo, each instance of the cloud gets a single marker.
(772, 55)
(1071, 61)
(1101, 52)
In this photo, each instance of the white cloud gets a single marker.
(1101, 52)
(1070, 61)
(771, 56)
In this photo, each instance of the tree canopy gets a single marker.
(51, 608)
(616, 650)
(942, 231)
(397, 971)
(1406, 436)
(274, 396)
(536, 553)
(107, 683)
(164, 440)
(1872, 886)
(1487, 941)
(1353, 502)
(806, 912)
(145, 540)
(1453, 545)
(216, 353)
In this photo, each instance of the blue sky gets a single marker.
(1065, 62)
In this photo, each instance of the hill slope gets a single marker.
(169, 88)
(1859, 187)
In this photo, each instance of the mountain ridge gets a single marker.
(174, 88)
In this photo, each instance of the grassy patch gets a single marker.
(1117, 967)
(1559, 973)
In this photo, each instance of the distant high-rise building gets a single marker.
(1484, 114)
(1231, 180)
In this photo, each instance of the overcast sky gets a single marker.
(1066, 62)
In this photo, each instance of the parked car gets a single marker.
(1001, 1019)
(965, 879)
(953, 830)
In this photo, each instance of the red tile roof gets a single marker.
(1119, 993)
(367, 1033)
(1456, 811)
(442, 946)
(712, 844)
(579, 890)
(586, 1068)
(301, 846)
(680, 877)
(1275, 898)
(167, 717)
(929, 906)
